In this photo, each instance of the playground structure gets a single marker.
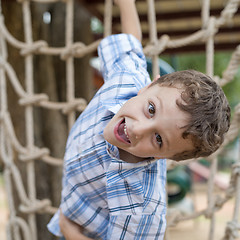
(9, 144)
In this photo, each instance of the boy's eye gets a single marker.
(151, 109)
(159, 139)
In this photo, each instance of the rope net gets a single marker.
(10, 146)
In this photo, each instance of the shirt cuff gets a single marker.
(114, 47)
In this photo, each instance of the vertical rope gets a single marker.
(6, 152)
(3, 89)
(70, 61)
(236, 212)
(153, 34)
(209, 71)
(235, 226)
(5, 149)
(214, 164)
(210, 198)
(205, 12)
(107, 18)
(210, 48)
(29, 114)
(13, 229)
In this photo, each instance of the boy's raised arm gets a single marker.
(129, 18)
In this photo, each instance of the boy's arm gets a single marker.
(129, 18)
(71, 230)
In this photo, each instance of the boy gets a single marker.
(115, 167)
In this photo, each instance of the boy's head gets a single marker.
(208, 108)
(179, 116)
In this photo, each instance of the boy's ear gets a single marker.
(143, 89)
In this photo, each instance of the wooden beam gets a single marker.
(176, 15)
(235, 29)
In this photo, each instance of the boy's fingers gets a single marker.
(64, 222)
(70, 229)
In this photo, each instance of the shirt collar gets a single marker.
(119, 169)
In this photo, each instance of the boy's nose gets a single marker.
(140, 130)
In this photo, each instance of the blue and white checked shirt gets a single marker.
(110, 198)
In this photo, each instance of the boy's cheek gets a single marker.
(105, 131)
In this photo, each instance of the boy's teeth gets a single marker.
(125, 131)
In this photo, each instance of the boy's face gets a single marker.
(150, 124)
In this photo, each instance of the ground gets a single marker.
(188, 230)
(198, 229)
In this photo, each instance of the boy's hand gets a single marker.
(70, 229)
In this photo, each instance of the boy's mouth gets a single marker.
(120, 132)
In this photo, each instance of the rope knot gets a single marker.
(211, 29)
(208, 213)
(236, 169)
(70, 51)
(33, 99)
(35, 154)
(158, 47)
(77, 104)
(38, 206)
(218, 202)
(33, 48)
(232, 229)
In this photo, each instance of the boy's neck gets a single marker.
(128, 157)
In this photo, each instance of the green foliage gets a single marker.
(197, 61)
(96, 25)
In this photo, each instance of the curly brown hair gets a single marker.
(208, 108)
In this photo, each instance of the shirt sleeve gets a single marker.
(121, 53)
(124, 69)
(81, 191)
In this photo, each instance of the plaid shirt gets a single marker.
(110, 198)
